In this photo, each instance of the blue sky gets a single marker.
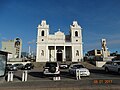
(98, 18)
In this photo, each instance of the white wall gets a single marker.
(100, 63)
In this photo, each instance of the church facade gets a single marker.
(58, 46)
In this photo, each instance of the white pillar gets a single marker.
(78, 74)
(55, 54)
(10, 76)
(47, 54)
(37, 54)
(56, 78)
(81, 52)
(73, 54)
(24, 75)
(64, 54)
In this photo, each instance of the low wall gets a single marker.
(17, 62)
(100, 63)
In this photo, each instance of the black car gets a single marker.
(8, 66)
(11, 67)
(51, 69)
(28, 66)
(19, 65)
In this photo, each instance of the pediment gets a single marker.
(59, 33)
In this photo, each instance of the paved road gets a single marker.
(98, 79)
(36, 75)
(81, 84)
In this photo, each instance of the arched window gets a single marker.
(76, 33)
(42, 33)
(17, 44)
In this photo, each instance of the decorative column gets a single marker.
(64, 55)
(81, 53)
(47, 52)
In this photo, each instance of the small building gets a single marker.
(58, 46)
(94, 52)
(13, 46)
(93, 55)
(99, 57)
(96, 55)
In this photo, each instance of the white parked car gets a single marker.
(83, 71)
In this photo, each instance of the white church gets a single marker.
(59, 47)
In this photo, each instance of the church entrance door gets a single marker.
(59, 55)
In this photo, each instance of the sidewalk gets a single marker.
(88, 88)
(60, 85)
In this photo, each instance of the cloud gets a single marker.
(32, 41)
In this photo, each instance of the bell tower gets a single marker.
(43, 31)
(76, 40)
(42, 39)
(76, 36)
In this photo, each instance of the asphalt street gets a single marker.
(98, 79)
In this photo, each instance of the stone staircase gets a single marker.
(86, 64)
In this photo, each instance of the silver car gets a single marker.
(83, 71)
(112, 66)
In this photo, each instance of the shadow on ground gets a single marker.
(63, 74)
(36, 74)
(14, 77)
(102, 71)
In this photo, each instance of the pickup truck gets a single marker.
(112, 66)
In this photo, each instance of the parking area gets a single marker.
(98, 79)
(36, 74)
